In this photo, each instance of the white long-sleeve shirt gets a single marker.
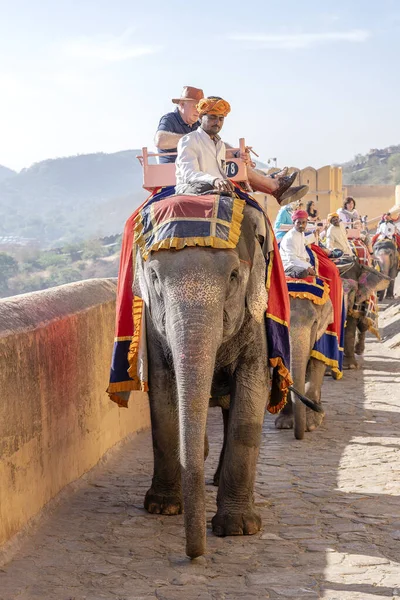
(293, 250)
(336, 238)
(199, 159)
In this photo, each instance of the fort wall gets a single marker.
(56, 420)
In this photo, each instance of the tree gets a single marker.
(8, 268)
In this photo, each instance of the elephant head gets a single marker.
(196, 301)
(385, 252)
(368, 280)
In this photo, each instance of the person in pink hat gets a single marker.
(295, 258)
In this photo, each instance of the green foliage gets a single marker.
(28, 269)
(8, 268)
(377, 167)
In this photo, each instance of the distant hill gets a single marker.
(69, 199)
(376, 167)
(5, 173)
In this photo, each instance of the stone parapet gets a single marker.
(56, 420)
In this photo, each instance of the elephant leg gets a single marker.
(314, 380)
(390, 290)
(217, 474)
(165, 494)
(360, 338)
(349, 360)
(236, 513)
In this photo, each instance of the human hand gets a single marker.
(311, 271)
(245, 157)
(223, 185)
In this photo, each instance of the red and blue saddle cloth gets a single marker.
(327, 284)
(167, 221)
(367, 312)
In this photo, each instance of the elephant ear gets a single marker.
(139, 286)
(256, 293)
(325, 318)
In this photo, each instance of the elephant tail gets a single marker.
(313, 405)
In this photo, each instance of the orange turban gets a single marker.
(213, 106)
(331, 215)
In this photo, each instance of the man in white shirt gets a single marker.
(295, 258)
(336, 235)
(201, 160)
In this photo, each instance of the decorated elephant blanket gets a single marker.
(327, 284)
(167, 221)
(367, 311)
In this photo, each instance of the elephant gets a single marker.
(308, 322)
(367, 280)
(386, 254)
(205, 329)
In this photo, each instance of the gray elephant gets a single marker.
(386, 254)
(205, 322)
(308, 322)
(367, 280)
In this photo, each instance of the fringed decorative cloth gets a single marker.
(313, 288)
(367, 312)
(329, 348)
(167, 221)
(188, 220)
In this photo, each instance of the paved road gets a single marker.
(330, 506)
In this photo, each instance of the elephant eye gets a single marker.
(234, 275)
(156, 283)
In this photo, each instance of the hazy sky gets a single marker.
(310, 81)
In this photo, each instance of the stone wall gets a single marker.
(56, 419)
(372, 200)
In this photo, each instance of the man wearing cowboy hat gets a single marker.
(174, 125)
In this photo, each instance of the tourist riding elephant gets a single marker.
(367, 281)
(205, 323)
(386, 254)
(308, 322)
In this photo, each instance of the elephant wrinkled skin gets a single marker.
(356, 328)
(308, 322)
(206, 336)
(385, 252)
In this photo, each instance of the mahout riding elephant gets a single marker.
(308, 322)
(386, 254)
(367, 281)
(205, 323)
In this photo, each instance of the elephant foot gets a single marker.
(349, 362)
(283, 421)
(247, 523)
(162, 504)
(313, 419)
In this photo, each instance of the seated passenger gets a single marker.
(283, 218)
(201, 160)
(348, 213)
(387, 230)
(174, 125)
(336, 235)
(312, 212)
(295, 258)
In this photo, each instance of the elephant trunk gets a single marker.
(194, 345)
(300, 352)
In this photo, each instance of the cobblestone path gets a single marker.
(330, 506)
